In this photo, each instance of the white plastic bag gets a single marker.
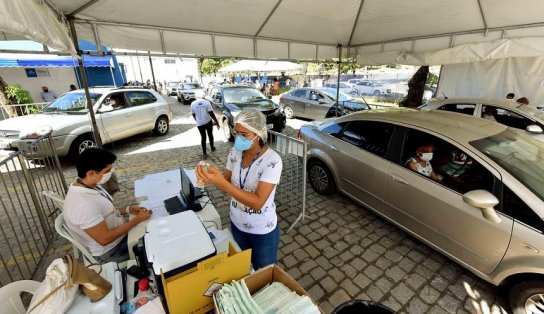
(56, 293)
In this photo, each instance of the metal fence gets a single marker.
(26, 216)
(16, 110)
(291, 191)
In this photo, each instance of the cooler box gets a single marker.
(110, 303)
(176, 243)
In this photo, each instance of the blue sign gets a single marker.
(31, 72)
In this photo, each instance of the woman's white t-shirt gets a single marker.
(266, 168)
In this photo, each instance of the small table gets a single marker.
(153, 189)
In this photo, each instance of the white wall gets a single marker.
(163, 71)
(58, 82)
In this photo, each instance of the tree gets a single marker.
(211, 66)
(348, 65)
(4, 100)
(416, 87)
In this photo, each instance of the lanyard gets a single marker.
(243, 183)
(98, 189)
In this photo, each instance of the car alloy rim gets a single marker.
(86, 144)
(226, 128)
(288, 111)
(319, 178)
(163, 126)
(535, 304)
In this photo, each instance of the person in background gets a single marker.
(288, 83)
(72, 87)
(203, 114)
(306, 84)
(510, 96)
(523, 100)
(267, 90)
(47, 96)
(275, 87)
(489, 113)
(421, 161)
(252, 173)
(90, 213)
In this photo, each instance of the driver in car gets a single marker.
(117, 102)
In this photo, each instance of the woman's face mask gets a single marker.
(106, 177)
(426, 156)
(241, 143)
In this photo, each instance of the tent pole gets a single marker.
(112, 77)
(140, 68)
(152, 72)
(132, 66)
(96, 133)
(338, 80)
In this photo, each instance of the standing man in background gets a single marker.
(203, 113)
(47, 96)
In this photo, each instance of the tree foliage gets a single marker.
(416, 87)
(211, 66)
(18, 95)
(348, 65)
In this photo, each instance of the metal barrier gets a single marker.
(27, 223)
(291, 191)
(16, 110)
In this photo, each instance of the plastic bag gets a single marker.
(56, 292)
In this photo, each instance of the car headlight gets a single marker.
(34, 133)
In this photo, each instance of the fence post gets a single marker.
(34, 197)
(57, 163)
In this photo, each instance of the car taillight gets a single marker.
(299, 135)
(281, 99)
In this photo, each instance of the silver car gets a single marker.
(509, 113)
(484, 207)
(136, 111)
(187, 92)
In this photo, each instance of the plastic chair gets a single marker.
(62, 229)
(57, 199)
(10, 295)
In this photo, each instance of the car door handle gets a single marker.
(530, 247)
(398, 179)
(333, 148)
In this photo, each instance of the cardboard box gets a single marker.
(191, 291)
(270, 274)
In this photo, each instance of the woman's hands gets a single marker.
(212, 176)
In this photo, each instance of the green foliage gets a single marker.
(211, 66)
(431, 79)
(18, 95)
(349, 65)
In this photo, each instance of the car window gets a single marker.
(300, 93)
(459, 108)
(71, 103)
(371, 136)
(506, 117)
(333, 128)
(453, 167)
(514, 207)
(313, 95)
(138, 98)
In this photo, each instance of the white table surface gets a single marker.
(153, 189)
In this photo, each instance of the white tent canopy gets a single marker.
(374, 31)
(261, 66)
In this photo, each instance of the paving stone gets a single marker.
(307, 266)
(339, 297)
(392, 304)
(415, 280)
(449, 273)
(312, 251)
(318, 273)
(316, 292)
(328, 284)
(383, 263)
(306, 281)
(449, 303)
(436, 310)
(346, 256)
(378, 248)
(393, 256)
(349, 270)
(369, 256)
(424, 271)
(321, 244)
(395, 273)
(406, 264)
(290, 261)
(356, 249)
(431, 264)
(402, 293)
(323, 262)
(301, 240)
(294, 272)
(352, 289)
(358, 264)
(373, 272)
(374, 293)
(417, 306)
(361, 280)
(384, 284)
(326, 307)
(416, 256)
(337, 274)
(429, 295)
(439, 283)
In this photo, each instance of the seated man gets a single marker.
(90, 213)
(421, 161)
(117, 101)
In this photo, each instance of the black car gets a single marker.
(228, 100)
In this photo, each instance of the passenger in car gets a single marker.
(421, 161)
(489, 113)
(117, 102)
(452, 167)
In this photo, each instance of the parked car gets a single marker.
(229, 100)
(140, 110)
(512, 114)
(371, 88)
(352, 82)
(318, 103)
(344, 88)
(186, 91)
(171, 88)
(487, 218)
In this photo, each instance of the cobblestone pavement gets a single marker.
(341, 251)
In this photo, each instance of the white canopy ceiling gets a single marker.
(376, 31)
(261, 66)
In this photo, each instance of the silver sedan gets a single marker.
(470, 188)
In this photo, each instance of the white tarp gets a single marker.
(35, 21)
(261, 66)
(494, 79)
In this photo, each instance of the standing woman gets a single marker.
(253, 171)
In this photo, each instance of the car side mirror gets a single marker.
(535, 129)
(105, 108)
(484, 201)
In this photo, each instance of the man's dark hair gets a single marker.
(510, 96)
(94, 159)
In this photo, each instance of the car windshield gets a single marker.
(331, 92)
(243, 95)
(190, 86)
(532, 112)
(173, 84)
(71, 103)
(522, 156)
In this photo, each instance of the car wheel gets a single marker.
(227, 131)
(80, 144)
(376, 93)
(527, 297)
(288, 111)
(321, 178)
(161, 126)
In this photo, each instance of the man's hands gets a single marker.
(141, 213)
